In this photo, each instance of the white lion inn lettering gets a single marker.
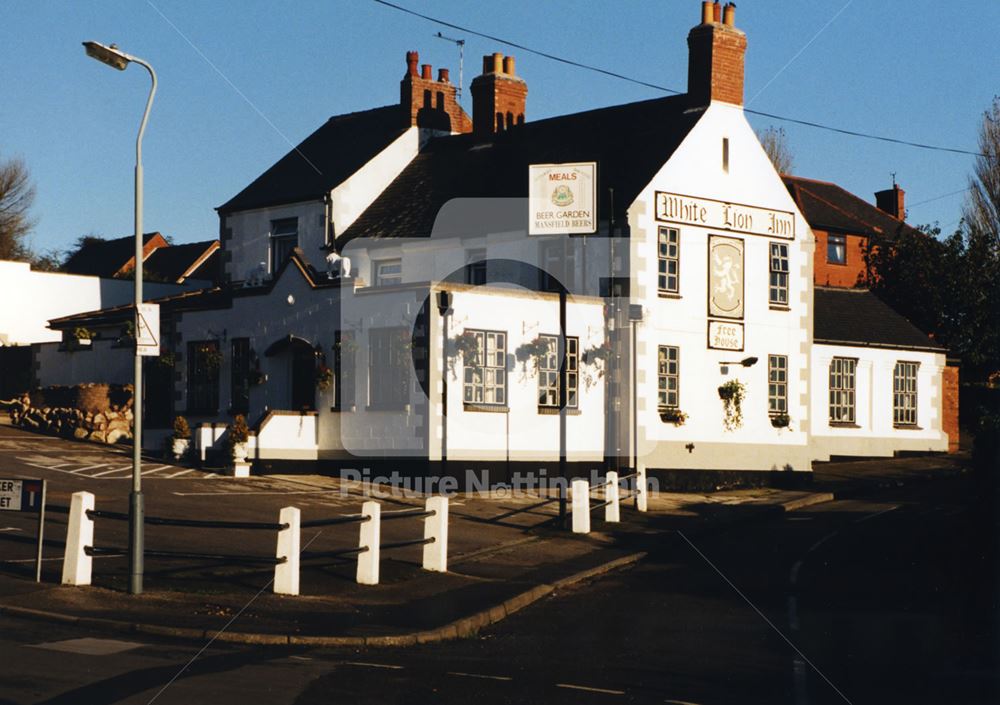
(674, 208)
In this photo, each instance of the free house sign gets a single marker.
(562, 198)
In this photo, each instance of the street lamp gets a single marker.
(116, 58)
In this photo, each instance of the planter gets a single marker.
(179, 448)
(674, 416)
(240, 452)
(781, 421)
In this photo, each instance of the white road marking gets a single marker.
(162, 467)
(182, 472)
(108, 472)
(480, 675)
(680, 702)
(10, 528)
(606, 691)
(89, 646)
(373, 665)
(88, 467)
(876, 514)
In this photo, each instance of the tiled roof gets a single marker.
(629, 142)
(193, 260)
(858, 317)
(105, 258)
(214, 297)
(827, 206)
(323, 160)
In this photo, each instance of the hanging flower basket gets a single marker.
(781, 421)
(212, 359)
(535, 350)
(166, 359)
(732, 394)
(324, 378)
(673, 415)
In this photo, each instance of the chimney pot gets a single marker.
(487, 63)
(508, 65)
(412, 58)
(706, 12)
(426, 71)
(716, 11)
(443, 75)
(497, 63)
(729, 16)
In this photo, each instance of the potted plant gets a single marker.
(732, 394)
(127, 336)
(239, 434)
(781, 420)
(670, 414)
(181, 440)
(82, 337)
(213, 358)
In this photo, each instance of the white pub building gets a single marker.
(628, 286)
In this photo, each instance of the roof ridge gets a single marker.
(875, 228)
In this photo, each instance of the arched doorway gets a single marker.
(301, 366)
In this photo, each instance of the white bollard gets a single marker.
(611, 511)
(77, 565)
(370, 538)
(436, 527)
(581, 507)
(286, 575)
(642, 498)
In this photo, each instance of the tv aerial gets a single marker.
(460, 43)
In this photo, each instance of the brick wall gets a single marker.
(716, 63)
(431, 103)
(949, 405)
(845, 275)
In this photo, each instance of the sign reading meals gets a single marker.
(562, 198)
(675, 208)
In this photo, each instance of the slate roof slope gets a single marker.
(323, 160)
(630, 142)
(193, 260)
(858, 317)
(106, 258)
(827, 206)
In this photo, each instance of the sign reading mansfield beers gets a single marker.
(562, 198)
(721, 215)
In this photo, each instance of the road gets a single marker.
(879, 600)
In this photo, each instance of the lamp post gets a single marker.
(116, 58)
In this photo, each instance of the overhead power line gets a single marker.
(655, 86)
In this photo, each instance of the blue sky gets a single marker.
(920, 70)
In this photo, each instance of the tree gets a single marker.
(982, 207)
(775, 144)
(16, 197)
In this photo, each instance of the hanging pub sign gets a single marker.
(721, 215)
(562, 199)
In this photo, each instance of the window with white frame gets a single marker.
(388, 367)
(387, 272)
(777, 384)
(485, 380)
(842, 389)
(778, 290)
(668, 377)
(284, 239)
(836, 249)
(904, 393)
(669, 260)
(548, 372)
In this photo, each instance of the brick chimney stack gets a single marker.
(716, 52)
(892, 201)
(429, 103)
(498, 96)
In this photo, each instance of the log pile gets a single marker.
(102, 413)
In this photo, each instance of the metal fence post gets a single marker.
(370, 538)
(581, 507)
(77, 565)
(436, 527)
(286, 575)
(641, 489)
(611, 511)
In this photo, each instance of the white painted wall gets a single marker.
(251, 237)
(30, 299)
(874, 434)
(101, 362)
(696, 170)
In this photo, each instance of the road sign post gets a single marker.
(26, 496)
